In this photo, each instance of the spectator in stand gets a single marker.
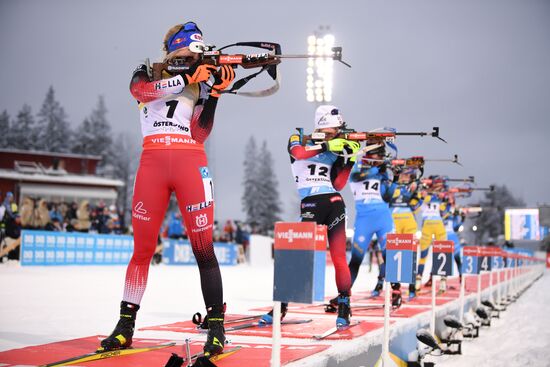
(246, 240)
(56, 225)
(42, 215)
(122, 220)
(114, 220)
(55, 212)
(9, 216)
(27, 212)
(238, 233)
(241, 237)
(72, 211)
(11, 228)
(83, 223)
(216, 233)
(104, 223)
(63, 209)
(175, 226)
(2, 213)
(228, 231)
(9, 205)
(69, 225)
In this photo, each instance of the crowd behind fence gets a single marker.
(84, 216)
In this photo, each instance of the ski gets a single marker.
(241, 319)
(372, 296)
(198, 320)
(94, 356)
(253, 324)
(366, 307)
(329, 308)
(333, 307)
(217, 357)
(335, 330)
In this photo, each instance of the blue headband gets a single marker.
(188, 33)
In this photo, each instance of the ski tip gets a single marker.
(225, 353)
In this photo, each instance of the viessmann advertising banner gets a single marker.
(521, 224)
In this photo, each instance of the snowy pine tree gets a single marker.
(124, 167)
(93, 136)
(22, 133)
(4, 129)
(101, 131)
(268, 205)
(83, 138)
(260, 197)
(53, 131)
(250, 196)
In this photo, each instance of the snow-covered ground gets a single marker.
(45, 304)
(521, 337)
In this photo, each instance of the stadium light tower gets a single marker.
(319, 69)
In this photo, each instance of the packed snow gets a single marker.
(46, 304)
(520, 337)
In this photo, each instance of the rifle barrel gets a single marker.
(413, 133)
(304, 56)
(441, 160)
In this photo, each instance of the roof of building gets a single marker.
(61, 179)
(51, 154)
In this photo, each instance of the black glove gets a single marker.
(140, 73)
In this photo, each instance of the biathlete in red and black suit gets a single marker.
(320, 171)
(177, 115)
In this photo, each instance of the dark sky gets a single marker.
(479, 69)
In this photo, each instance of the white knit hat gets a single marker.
(328, 116)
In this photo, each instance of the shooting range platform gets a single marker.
(359, 345)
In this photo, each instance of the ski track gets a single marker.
(45, 304)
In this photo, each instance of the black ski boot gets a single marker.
(215, 339)
(344, 311)
(396, 295)
(121, 337)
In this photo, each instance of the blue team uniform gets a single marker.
(372, 191)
